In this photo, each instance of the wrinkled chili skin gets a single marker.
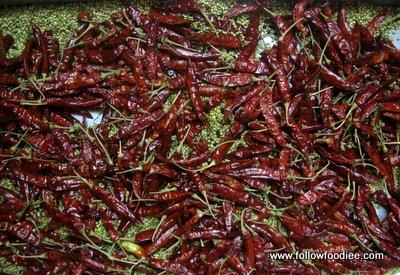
(26, 117)
(228, 79)
(335, 80)
(316, 193)
(168, 18)
(186, 54)
(139, 124)
(273, 126)
(212, 157)
(24, 231)
(227, 41)
(299, 13)
(244, 98)
(193, 93)
(221, 151)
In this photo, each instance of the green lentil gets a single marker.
(61, 19)
(100, 230)
(215, 129)
(217, 8)
(396, 174)
(7, 183)
(113, 131)
(148, 223)
(42, 216)
(275, 223)
(62, 232)
(9, 268)
(185, 148)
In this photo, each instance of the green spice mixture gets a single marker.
(61, 19)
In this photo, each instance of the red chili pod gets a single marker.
(266, 103)
(25, 116)
(218, 155)
(195, 98)
(111, 201)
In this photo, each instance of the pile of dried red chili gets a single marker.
(317, 116)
